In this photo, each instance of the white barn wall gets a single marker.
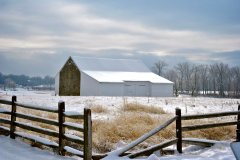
(57, 84)
(162, 90)
(88, 86)
(111, 89)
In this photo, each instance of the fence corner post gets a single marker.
(87, 134)
(238, 126)
(13, 117)
(61, 120)
(179, 130)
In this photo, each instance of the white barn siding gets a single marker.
(111, 89)
(88, 86)
(162, 90)
(57, 84)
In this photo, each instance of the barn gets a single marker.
(87, 76)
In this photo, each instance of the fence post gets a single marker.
(13, 117)
(87, 134)
(179, 130)
(238, 126)
(61, 120)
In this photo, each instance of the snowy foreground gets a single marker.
(16, 149)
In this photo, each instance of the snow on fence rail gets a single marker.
(86, 128)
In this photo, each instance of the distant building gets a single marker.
(84, 76)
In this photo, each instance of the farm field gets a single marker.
(117, 121)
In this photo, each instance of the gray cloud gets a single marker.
(37, 37)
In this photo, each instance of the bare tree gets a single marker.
(221, 70)
(230, 81)
(203, 71)
(237, 80)
(188, 71)
(159, 67)
(180, 70)
(173, 76)
(194, 80)
(213, 78)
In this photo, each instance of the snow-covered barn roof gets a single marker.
(106, 76)
(105, 64)
(116, 70)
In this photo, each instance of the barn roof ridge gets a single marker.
(109, 58)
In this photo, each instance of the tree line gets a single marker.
(11, 80)
(216, 79)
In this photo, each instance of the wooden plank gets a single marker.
(5, 101)
(73, 115)
(74, 151)
(13, 117)
(179, 130)
(61, 120)
(153, 148)
(5, 130)
(197, 142)
(37, 139)
(98, 156)
(5, 111)
(37, 107)
(37, 129)
(74, 126)
(211, 125)
(37, 119)
(87, 134)
(74, 139)
(210, 115)
(5, 120)
(238, 127)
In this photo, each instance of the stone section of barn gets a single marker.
(69, 81)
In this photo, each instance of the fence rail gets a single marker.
(62, 148)
(203, 126)
(210, 115)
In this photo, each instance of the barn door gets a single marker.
(142, 90)
(130, 89)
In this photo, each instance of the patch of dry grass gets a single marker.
(98, 109)
(128, 127)
(137, 107)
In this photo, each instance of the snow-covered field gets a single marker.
(188, 105)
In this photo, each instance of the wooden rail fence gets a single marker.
(179, 129)
(86, 141)
(87, 129)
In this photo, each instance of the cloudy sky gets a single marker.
(37, 37)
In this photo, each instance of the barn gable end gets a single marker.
(69, 79)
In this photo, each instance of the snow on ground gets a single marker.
(189, 105)
(11, 149)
